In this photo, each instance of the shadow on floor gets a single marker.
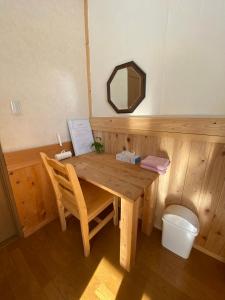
(50, 265)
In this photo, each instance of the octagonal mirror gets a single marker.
(126, 87)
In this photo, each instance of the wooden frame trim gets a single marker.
(29, 157)
(12, 203)
(88, 63)
(211, 129)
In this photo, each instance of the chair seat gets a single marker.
(96, 199)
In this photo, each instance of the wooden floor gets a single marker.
(50, 265)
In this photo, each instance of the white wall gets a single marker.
(42, 64)
(180, 44)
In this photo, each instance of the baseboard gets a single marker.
(201, 249)
(220, 258)
(29, 232)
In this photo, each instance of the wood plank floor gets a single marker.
(50, 265)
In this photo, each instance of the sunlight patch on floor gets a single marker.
(146, 297)
(104, 283)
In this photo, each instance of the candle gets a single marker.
(59, 139)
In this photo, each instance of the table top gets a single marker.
(120, 178)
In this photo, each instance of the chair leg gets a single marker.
(115, 206)
(62, 216)
(85, 237)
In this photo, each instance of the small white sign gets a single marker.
(81, 135)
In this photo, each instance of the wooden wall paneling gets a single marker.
(165, 150)
(195, 179)
(104, 136)
(211, 190)
(23, 158)
(121, 142)
(98, 133)
(196, 168)
(128, 142)
(216, 237)
(113, 142)
(34, 197)
(151, 145)
(171, 185)
(194, 126)
(116, 142)
(138, 144)
(179, 162)
(108, 146)
(32, 190)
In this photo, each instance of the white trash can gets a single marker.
(180, 227)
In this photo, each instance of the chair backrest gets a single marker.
(66, 185)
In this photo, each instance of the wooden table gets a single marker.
(130, 183)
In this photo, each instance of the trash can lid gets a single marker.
(182, 217)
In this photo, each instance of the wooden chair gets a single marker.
(82, 199)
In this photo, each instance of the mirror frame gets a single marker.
(143, 87)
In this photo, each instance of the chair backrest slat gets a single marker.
(57, 166)
(66, 185)
(69, 203)
(63, 182)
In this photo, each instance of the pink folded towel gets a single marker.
(161, 172)
(155, 162)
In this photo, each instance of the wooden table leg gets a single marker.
(149, 208)
(128, 232)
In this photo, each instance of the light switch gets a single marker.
(16, 107)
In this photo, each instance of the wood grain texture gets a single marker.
(127, 181)
(28, 157)
(195, 178)
(31, 187)
(128, 233)
(49, 265)
(149, 208)
(119, 178)
(34, 197)
(80, 198)
(189, 128)
(88, 66)
(9, 193)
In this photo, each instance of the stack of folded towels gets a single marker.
(155, 164)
